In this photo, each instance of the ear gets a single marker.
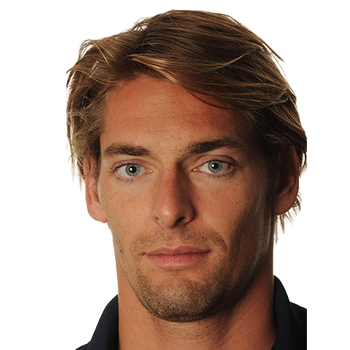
(287, 187)
(93, 203)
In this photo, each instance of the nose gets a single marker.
(173, 205)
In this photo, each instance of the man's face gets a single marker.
(184, 190)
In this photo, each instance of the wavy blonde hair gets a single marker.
(206, 53)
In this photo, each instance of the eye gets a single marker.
(215, 167)
(130, 170)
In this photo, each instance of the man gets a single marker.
(190, 145)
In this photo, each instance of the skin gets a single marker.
(184, 190)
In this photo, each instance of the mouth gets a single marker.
(179, 258)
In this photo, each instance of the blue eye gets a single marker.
(216, 167)
(129, 170)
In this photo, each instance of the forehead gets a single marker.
(148, 110)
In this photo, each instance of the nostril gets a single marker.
(179, 220)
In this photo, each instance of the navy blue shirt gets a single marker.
(290, 321)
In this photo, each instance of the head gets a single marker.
(202, 62)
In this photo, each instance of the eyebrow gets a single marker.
(115, 149)
(192, 148)
(207, 146)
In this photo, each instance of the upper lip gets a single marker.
(178, 251)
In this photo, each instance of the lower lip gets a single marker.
(177, 261)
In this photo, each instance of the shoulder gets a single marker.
(106, 333)
(291, 321)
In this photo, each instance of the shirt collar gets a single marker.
(290, 321)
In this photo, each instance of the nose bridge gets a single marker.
(172, 202)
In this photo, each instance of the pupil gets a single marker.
(132, 170)
(215, 166)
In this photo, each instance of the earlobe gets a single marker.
(286, 190)
(91, 196)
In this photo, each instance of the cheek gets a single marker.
(240, 215)
(122, 210)
(126, 219)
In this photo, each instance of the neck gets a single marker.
(251, 325)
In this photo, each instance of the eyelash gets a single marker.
(115, 169)
(227, 173)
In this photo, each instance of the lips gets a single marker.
(177, 251)
(179, 258)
